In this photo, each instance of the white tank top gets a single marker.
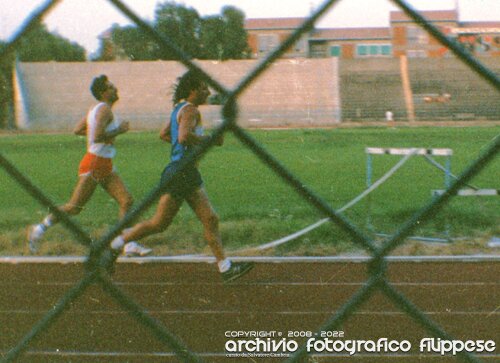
(99, 148)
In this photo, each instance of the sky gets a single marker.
(83, 20)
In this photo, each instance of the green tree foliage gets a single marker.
(8, 59)
(107, 50)
(235, 35)
(130, 42)
(39, 45)
(224, 36)
(181, 25)
(6, 88)
(212, 37)
(133, 39)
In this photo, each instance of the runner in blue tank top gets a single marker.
(184, 131)
(178, 149)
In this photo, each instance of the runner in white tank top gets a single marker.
(96, 168)
(102, 149)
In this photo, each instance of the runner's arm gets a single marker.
(188, 119)
(81, 127)
(165, 133)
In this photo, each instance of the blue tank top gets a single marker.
(178, 150)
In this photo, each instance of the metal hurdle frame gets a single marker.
(408, 152)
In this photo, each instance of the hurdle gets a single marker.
(470, 192)
(407, 153)
(474, 192)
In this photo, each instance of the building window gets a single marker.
(267, 42)
(416, 35)
(335, 50)
(300, 45)
(318, 49)
(386, 50)
(373, 50)
(362, 50)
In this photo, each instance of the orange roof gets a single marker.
(433, 15)
(480, 24)
(351, 33)
(273, 23)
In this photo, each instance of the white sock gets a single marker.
(39, 230)
(117, 243)
(47, 222)
(224, 265)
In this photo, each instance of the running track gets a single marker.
(298, 294)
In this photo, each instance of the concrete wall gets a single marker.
(290, 92)
(472, 97)
(370, 87)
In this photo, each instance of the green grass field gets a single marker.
(254, 205)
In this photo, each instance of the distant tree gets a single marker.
(8, 60)
(6, 101)
(224, 36)
(135, 44)
(235, 35)
(212, 37)
(107, 49)
(128, 42)
(181, 25)
(39, 45)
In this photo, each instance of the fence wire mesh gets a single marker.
(377, 281)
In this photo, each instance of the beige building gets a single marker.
(403, 37)
(264, 35)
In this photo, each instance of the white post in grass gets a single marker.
(405, 78)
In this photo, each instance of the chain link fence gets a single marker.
(377, 281)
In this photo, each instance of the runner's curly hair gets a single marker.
(188, 82)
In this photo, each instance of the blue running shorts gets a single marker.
(183, 183)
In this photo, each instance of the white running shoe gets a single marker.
(136, 249)
(494, 242)
(35, 233)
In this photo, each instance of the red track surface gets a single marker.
(282, 296)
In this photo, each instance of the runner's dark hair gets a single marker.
(99, 86)
(188, 82)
